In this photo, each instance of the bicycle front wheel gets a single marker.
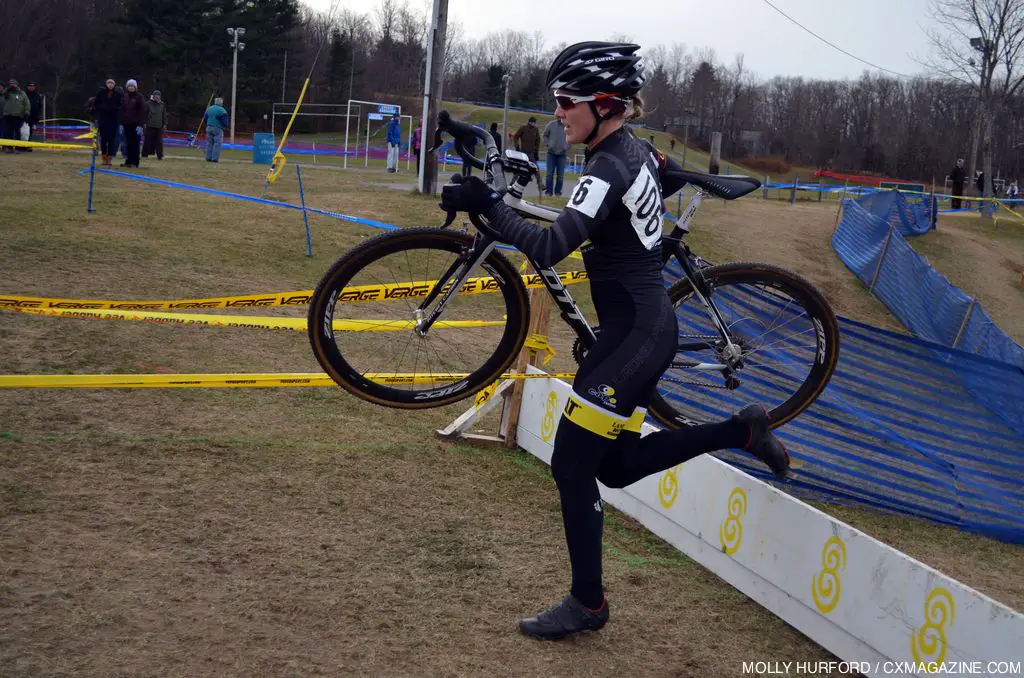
(364, 312)
(785, 341)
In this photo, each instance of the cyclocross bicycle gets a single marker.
(451, 313)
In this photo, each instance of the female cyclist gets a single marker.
(617, 206)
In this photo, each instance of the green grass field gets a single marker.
(301, 531)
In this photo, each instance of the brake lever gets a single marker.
(451, 218)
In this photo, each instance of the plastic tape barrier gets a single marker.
(538, 342)
(224, 380)
(265, 322)
(39, 144)
(300, 298)
(249, 198)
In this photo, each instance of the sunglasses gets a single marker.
(569, 101)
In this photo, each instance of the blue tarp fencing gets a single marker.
(904, 425)
(922, 299)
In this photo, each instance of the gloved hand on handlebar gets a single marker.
(468, 194)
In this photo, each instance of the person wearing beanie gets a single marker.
(36, 101)
(216, 122)
(156, 123)
(133, 116)
(15, 109)
(107, 109)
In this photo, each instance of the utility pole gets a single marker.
(236, 47)
(507, 79)
(432, 94)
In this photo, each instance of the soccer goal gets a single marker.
(373, 111)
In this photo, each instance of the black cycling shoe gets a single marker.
(568, 617)
(762, 443)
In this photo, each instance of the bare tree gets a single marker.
(980, 43)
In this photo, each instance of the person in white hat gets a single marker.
(133, 116)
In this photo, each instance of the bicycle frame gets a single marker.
(568, 310)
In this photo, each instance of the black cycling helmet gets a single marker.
(598, 68)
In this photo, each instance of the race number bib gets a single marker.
(644, 202)
(588, 195)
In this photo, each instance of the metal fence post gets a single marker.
(792, 192)
(963, 325)
(881, 259)
(766, 180)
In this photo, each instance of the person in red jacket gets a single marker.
(133, 116)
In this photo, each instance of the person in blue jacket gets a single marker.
(394, 136)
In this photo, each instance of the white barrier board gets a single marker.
(853, 595)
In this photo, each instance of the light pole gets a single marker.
(236, 47)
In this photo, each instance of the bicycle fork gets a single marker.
(460, 269)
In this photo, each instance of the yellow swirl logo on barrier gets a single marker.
(825, 587)
(547, 424)
(731, 531)
(483, 396)
(928, 643)
(668, 488)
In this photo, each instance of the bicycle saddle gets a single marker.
(725, 186)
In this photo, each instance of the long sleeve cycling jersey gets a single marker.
(617, 205)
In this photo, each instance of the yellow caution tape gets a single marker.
(1015, 213)
(405, 290)
(40, 144)
(227, 380)
(538, 342)
(265, 322)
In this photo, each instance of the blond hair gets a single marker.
(635, 109)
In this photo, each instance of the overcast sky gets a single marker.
(888, 33)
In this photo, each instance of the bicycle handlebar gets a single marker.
(494, 169)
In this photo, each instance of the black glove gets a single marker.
(468, 194)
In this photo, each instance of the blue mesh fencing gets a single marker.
(900, 427)
(911, 214)
(918, 295)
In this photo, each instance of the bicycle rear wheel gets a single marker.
(363, 314)
(787, 335)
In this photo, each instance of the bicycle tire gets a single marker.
(333, 361)
(671, 413)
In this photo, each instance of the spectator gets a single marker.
(394, 138)
(467, 168)
(527, 139)
(496, 135)
(36, 100)
(90, 108)
(156, 123)
(1012, 191)
(133, 116)
(672, 144)
(979, 182)
(554, 140)
(120, 128)
(216, 122)
(416, 141)
(16, 109)
(957, 176)
(652, 140)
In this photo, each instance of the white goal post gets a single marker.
(383, 108)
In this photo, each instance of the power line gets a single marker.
(835, 46)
